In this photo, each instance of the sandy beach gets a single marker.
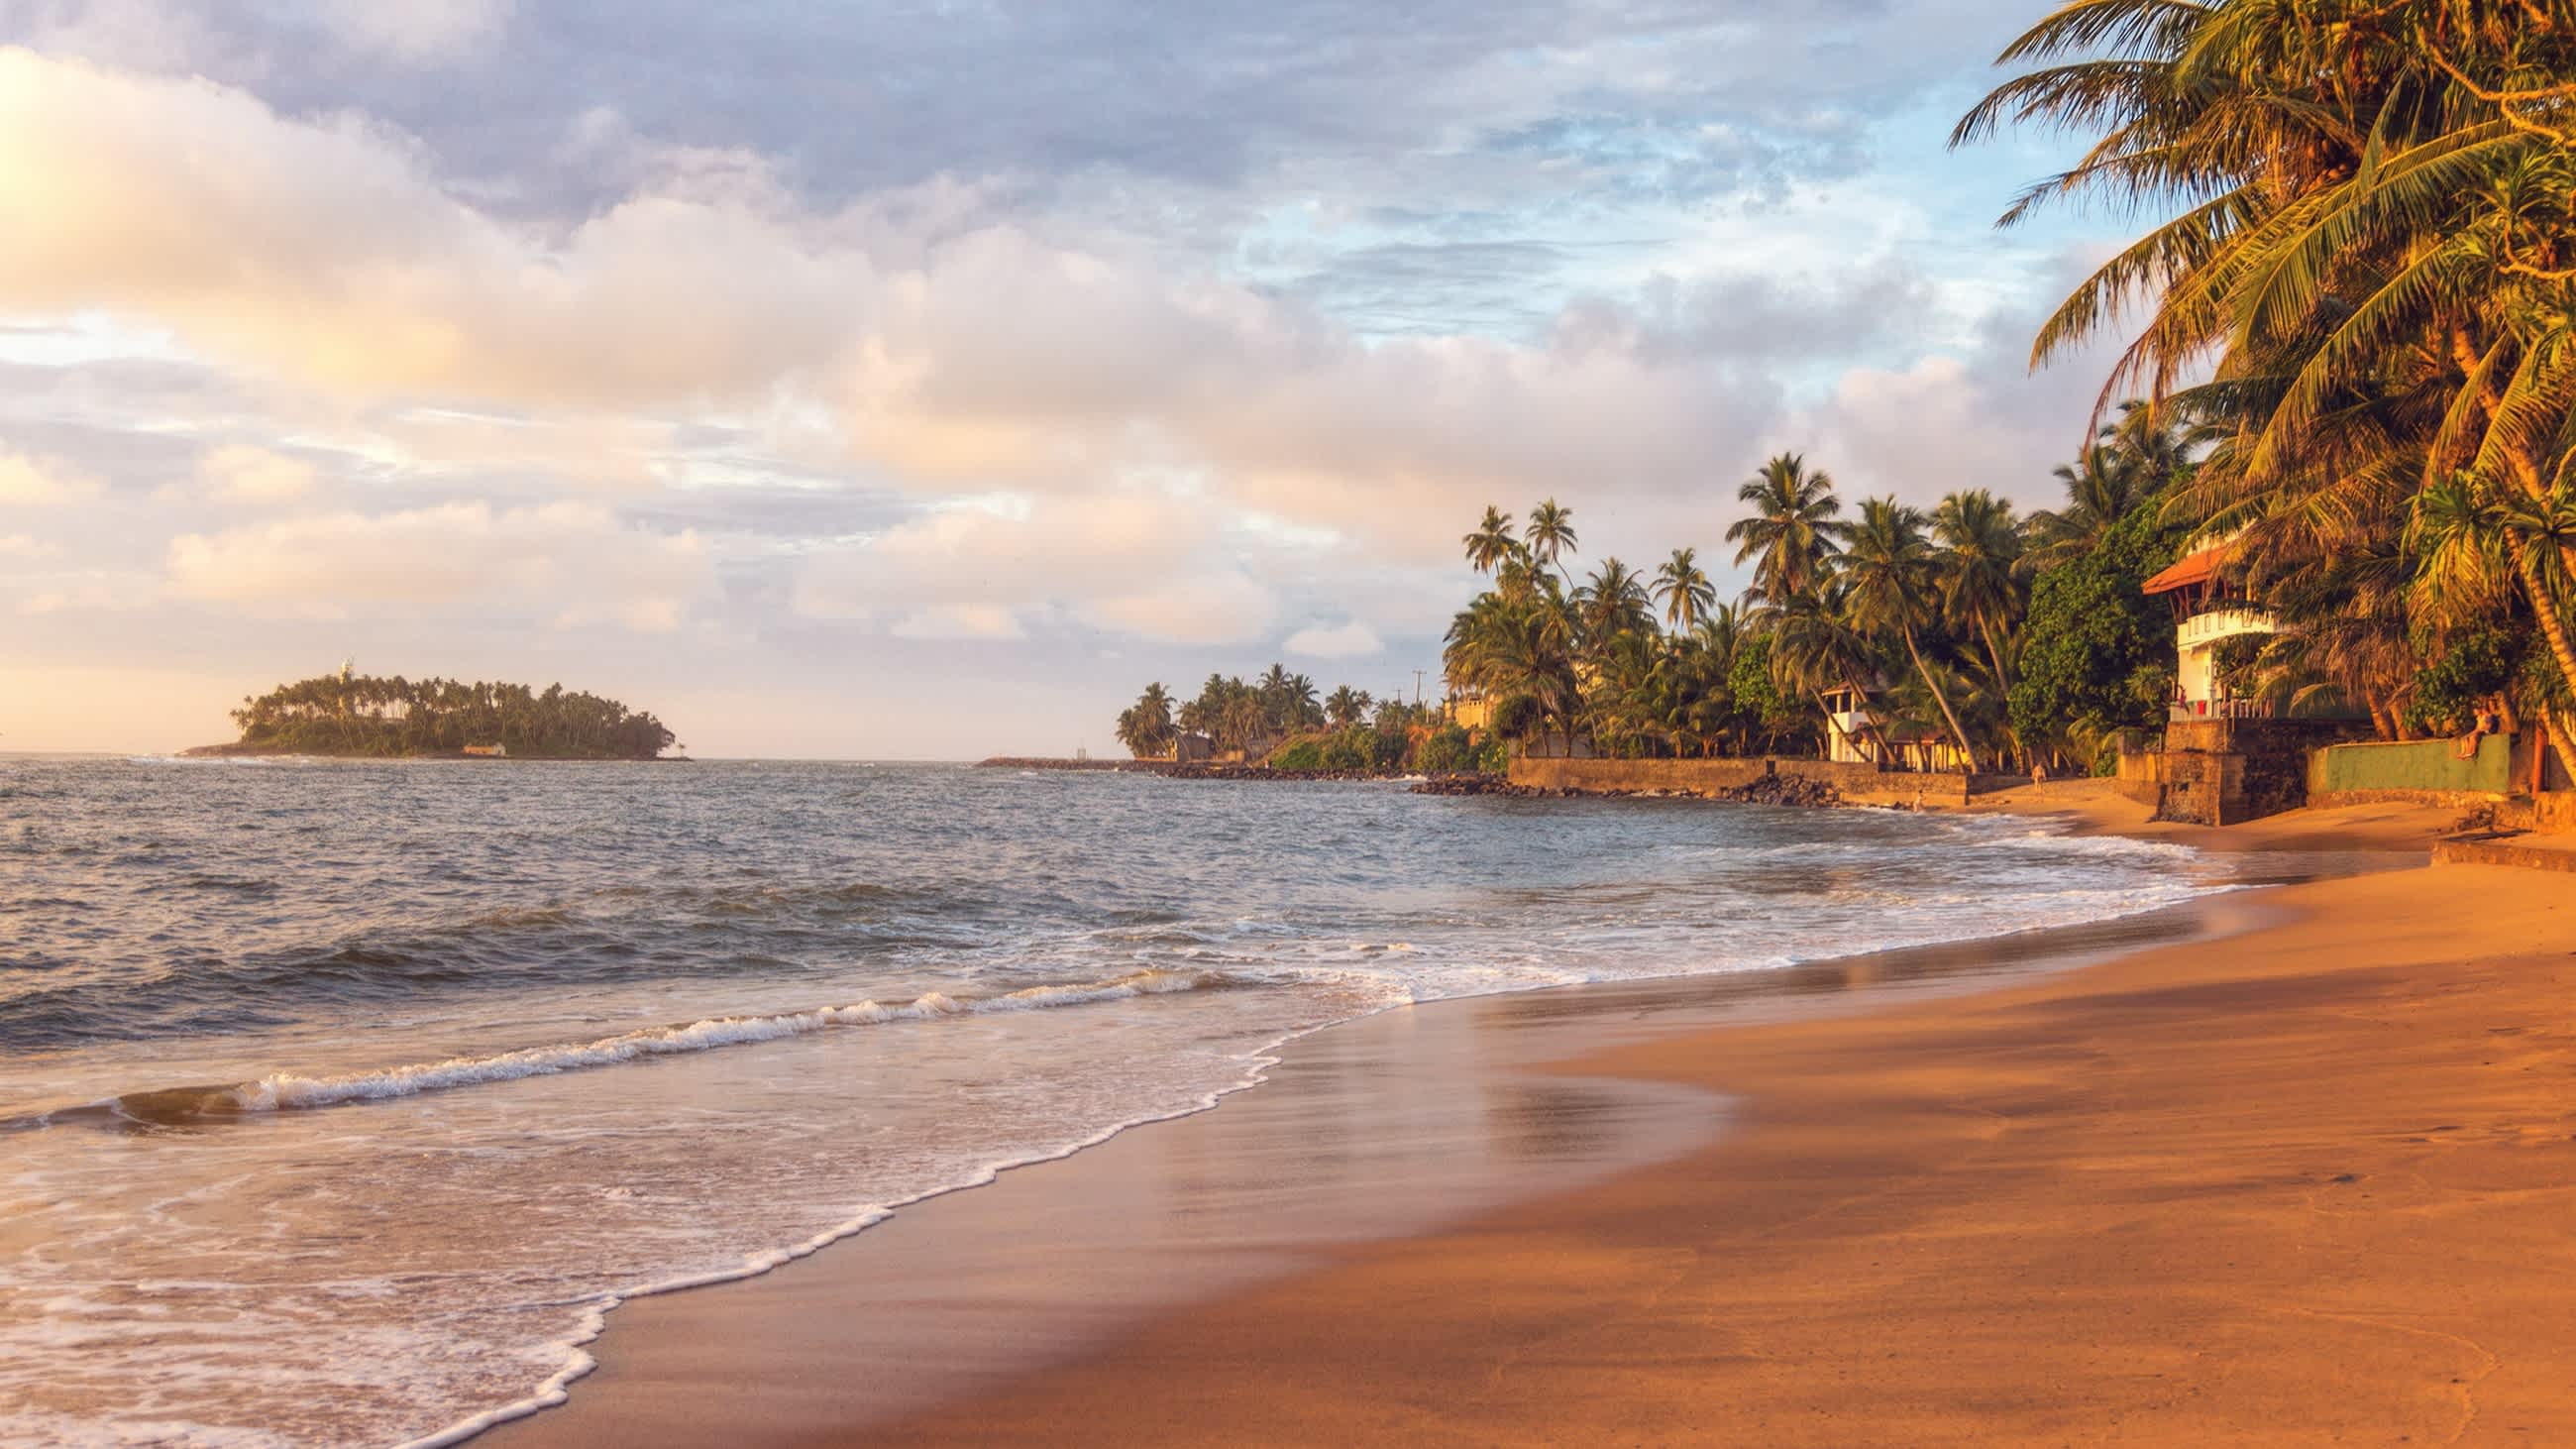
(2293, 1167)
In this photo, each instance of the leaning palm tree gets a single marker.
(1550, 532)
(1794, 532)
(2480, 542)
(1492, 542)
(1891, 591)
(1682, 587)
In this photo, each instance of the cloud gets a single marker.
(414, 31)
(19, 545)
(1349, 640)
(959, 621)
(241, 473)
(1141, 564)
(567, 563)
(321, 251)
(28, 483)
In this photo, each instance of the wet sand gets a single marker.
(2299, 1168)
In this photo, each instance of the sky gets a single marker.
(918, 380)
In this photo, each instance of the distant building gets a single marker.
(1850, 729)
(1855, 735)
(1471, 711)
(1191, 749)
(2209, 610)
(492, 752)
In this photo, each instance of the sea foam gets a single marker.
(289, 1089)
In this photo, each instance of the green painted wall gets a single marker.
(2414, 765)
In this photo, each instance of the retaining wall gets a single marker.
(2551, 812)
(1860, 784)
(2414, 769)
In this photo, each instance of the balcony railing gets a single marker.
(2192, 709)
(2226, 622)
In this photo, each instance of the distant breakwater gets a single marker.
(1768, 789)
(1199, 770)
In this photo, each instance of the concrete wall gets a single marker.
(1860, 784)
(2430, 769)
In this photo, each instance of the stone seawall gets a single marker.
(1857, 784)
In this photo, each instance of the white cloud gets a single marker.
(28, 483)
(19, 545)
(418, 31)
(959, 621)
(321, 250)
(1145, 564)
(567, 563)
(240, 473)
(1350, 640)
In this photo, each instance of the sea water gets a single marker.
(339, 1100)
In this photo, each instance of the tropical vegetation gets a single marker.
(357, 714)
(2345, 369)
(1282, 720)
(2356, 303)
(1932, 611)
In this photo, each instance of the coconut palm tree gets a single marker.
(1892, 591)
(1794, 532)
(1492, 542)
(1346, 706)
(1145, 727)
(2102, 487)
(1612, 602)
(1979, 559)
(1682, 587)
(1550, 533)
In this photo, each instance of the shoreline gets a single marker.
(651, 1365)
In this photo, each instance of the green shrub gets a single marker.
(1351, 749)
(1447, 752)
(1302, 755)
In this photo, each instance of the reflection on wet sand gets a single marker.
(1374, 1129)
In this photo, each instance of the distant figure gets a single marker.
(2039, 772)
(1918, 797)
(2483, 724)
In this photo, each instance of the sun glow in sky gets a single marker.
(918, 381)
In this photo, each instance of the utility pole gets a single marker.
(1417, 689)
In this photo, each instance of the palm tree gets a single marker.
(1145, 727)
(1794, 532)
(1684, 590)
(1980, 554)
(1612, 602)
(2102, 487)
(1492, 542)
(1892, 590)
(2479, 541)
(1550, 532)
(1346, 707)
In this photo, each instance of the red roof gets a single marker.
(2191, 569)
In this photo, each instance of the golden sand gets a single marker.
(2315, 1183)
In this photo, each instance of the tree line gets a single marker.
(2006, 634)
(1347, 729)
(2359, 289)
(357, 714)
(2351, 355)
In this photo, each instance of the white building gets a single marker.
(2208, 611)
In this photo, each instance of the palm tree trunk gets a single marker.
(1941, 699)
(2545, 606)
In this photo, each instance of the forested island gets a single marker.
(394, 718)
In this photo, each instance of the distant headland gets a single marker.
(368, 717)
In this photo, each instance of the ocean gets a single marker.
(339, 1100)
